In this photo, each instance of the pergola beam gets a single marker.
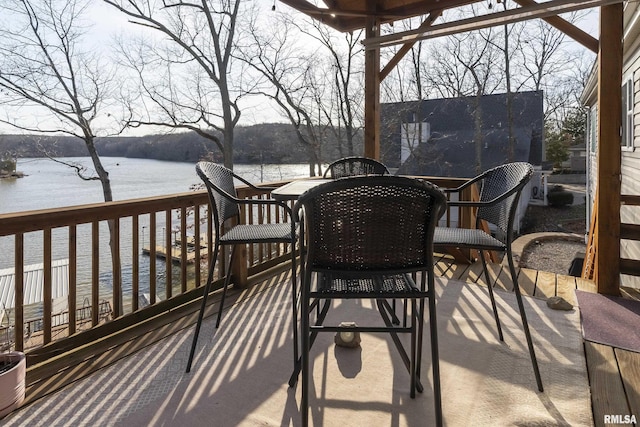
(536, 10)
(577, 34)
(407, 47)
(372, 94)
(353, 16)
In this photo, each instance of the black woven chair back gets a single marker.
(220, 186)
(504, 184)
(354, 166)
(374, 223)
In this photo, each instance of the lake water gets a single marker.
(48, 184)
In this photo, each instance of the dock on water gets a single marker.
(175, 252)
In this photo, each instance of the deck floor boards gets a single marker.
(527, 281)
(566, 288)
(607, 390)
(545, 285)
(629, 365)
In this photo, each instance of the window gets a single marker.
(413, 134)
(627, 114)
(592, 126)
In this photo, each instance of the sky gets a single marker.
(107, 22)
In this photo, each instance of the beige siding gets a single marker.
(636, 106)
(630, 214)
(630, 170)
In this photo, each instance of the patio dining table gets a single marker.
(294, 189)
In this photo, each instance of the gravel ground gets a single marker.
(551, 255)
(555, 255)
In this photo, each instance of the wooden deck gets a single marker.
(614, 374)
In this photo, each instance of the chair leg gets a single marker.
(207, 289)
(304, 405)
(420, 330)
(227, 280)
(414, 350)
(435, 354)
(525, 324)
(294, 292)
(493, 300)
(322, 314)
(385, 310)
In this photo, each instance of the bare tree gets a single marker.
(344, 112)
(511, 42)
(406, 81)
(284, 71)
(184, 72)
(318, 89)
(549, 62)
(464, 65)
(50, 83)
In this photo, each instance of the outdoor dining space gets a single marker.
(363, 299)
(238, 358)
(243, 367)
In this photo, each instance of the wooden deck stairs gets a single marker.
(627, 232)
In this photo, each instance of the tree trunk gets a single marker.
(113, 238)
(313, 162)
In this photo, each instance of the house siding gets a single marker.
(630, 171)
(630, 158)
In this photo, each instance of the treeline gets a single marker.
(263, 143)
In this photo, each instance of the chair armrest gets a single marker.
(253, 186)
(263, 202)
(470, 204)
(479, 203)
(266, 202)
(464, 185)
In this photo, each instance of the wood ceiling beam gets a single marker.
(550, 8)
(315, 12)
(582, 37)
(332, 12)
(344, 19)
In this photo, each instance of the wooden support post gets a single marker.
(607, 232)
(372, 94)
(239, 269)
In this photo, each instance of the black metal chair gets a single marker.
(364, 238)
(500, 190)
(225, 205)
(353, 166)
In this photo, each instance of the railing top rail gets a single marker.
(21, 222)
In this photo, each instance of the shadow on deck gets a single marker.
(240, 371)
